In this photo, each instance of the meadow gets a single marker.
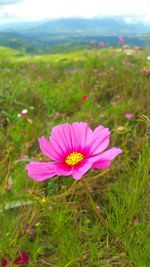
(53, 222)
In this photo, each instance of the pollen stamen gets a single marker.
(74, 158)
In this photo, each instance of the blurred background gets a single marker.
(45, 26)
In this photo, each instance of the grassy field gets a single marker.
(54, 221)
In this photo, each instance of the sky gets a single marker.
(33, 10)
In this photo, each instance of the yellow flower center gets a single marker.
(74, 158)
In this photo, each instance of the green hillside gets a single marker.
(9, 53)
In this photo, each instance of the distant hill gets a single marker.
(88, 26)
(105, 25)
(44, 36)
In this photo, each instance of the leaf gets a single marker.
(14, 204)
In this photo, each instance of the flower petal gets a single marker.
(71, 137)
(62, 169)
(100, 140)
(49, 150)
(81, 169)
(83, 134)
(41, 171)
(61, 135)
(4, 262)
(104, 159)
(102, 164)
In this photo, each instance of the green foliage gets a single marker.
(53, 220)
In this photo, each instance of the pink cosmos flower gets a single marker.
(129, 116)
(74, 149)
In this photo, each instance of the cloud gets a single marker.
(6, 18)
(49, 9)
(8, 2)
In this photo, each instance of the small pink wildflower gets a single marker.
(74, 149)
(95, 70)
(99, 208)
(23, 157)
(129, 116)
(93, 42)
(103, 74)
(121, 39)
(90, 189)
(4, 262)
(85, 98)
(23, 259)
(59, 81)
(28, 144)
(137, 48)
(23, 114)
(101, 44)
(24, 132)
(57, 114)
(121, 128)
(113, 103)
(117, 96)
(136, 221)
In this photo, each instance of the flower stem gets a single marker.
(102, 220)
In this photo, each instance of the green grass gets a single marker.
(54, 220)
